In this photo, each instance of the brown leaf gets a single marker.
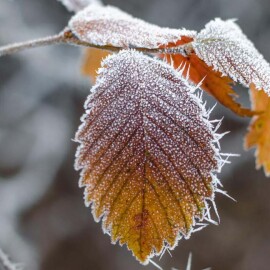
(259, 130)
(147, 154)
(92, 62)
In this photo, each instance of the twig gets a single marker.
(17, 47)
(67, 37)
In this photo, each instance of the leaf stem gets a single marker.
(67, 37)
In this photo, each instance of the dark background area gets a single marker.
(43, 221)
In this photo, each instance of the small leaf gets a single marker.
(211, 81)
(77, 5)
(259, 130)
(110, 26)
(223, 46)
(92, 62)
(147, 154)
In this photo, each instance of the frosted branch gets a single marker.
(66, 37)
(17, 47)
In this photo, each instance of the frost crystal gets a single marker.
(147, 153)
(111, 26)
(77, 5)
(223, 45)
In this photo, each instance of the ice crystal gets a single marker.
(223, 45)
(147, 154)
(111, 26)
(77, 5)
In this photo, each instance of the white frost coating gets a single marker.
(111, 26)
(77, 5)
(223, 45)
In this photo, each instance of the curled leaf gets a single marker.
(77, 5)
(110, 26)
(259, 130)
(147, 154)
(211, 81)
(223, 46)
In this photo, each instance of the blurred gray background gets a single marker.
(43, 221)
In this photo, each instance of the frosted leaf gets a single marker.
(220, 87)
(77, 5)
(147, 154)
(223, 45)
(111, 26)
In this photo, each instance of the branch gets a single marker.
(17, 47)
(67, 37)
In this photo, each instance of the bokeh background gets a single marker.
(43, 221)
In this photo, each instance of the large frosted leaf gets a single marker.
(222, 45)
(111, 26)
(146, 153)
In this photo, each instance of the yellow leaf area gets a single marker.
(259, 129)
(147, 161)
(211, 81)
(145, 206)
(91, 62)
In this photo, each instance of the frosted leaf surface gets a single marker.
(220, 87)
(77, 5)
(147, 154)
(111, 26)
(222, 45)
